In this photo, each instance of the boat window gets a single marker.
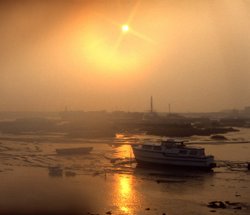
(193, 152)
(183, 152)
(157, 148)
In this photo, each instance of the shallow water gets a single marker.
(108, 179)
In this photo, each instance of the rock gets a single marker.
(217, 204)
(213, 211)
(218, 137)
(238, 208)
(232, 203)
(109, 212)
(222, 205)
(147, 209)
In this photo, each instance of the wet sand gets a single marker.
(108, 181)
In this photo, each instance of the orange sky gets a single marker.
(192, 54)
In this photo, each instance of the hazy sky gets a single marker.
(192, 54)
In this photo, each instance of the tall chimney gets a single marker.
(151, 104)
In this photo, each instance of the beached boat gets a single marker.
(173, 153)
(74, 151)
(55, 171)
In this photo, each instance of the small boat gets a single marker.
(55, 171)
(74, 151)
(173, 152)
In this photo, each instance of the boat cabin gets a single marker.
(170, 143)
(174, 147)
(156, 147)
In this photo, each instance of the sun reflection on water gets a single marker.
(124, 197)
(125, 186)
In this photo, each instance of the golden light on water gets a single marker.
(125, 186)
(125, 195)
(125, 209)
(125, 151)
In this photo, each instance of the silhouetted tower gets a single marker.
(151, 104)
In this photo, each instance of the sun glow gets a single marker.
(125, 28)
(105, 49)
(110, 46)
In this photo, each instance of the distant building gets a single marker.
(246, 111)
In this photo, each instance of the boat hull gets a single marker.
(144, 157)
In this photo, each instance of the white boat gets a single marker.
(173, 153)
(73, 151)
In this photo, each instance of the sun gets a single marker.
(125, 28)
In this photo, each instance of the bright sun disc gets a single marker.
(125, 28)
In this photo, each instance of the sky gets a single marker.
(192, 54)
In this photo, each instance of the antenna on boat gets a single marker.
(169, 108)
